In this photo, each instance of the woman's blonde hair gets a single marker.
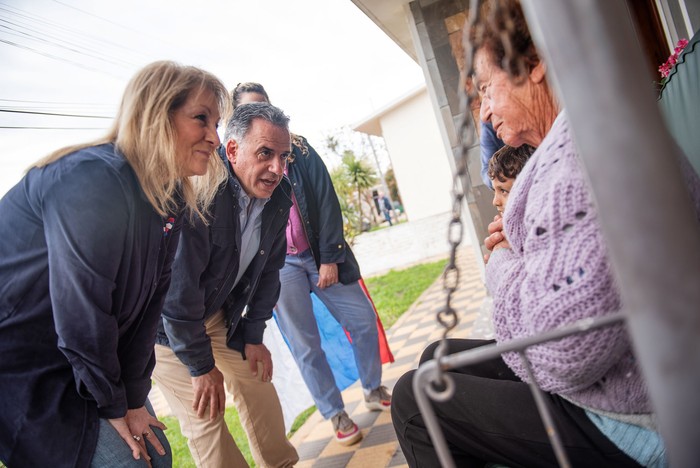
(145, 134)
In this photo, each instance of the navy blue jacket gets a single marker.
(490, 143)
(320, 210)
(84, 268)
(205, 268)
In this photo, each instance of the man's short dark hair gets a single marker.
(507, 162)
(243, 116)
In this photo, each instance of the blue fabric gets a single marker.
(490, 143)
(350, 307)
(112, 451)
(335, 345)
(643, 445)
(680, 101)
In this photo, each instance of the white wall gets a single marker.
(418, 157)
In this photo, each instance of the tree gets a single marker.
(344, 190)
(361, 175)
(390, 179)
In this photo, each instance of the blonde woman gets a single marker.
(86, 245)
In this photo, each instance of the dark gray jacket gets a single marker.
(84, 268)
(320, 210)
(205, 268)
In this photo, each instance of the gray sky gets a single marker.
(322, 61)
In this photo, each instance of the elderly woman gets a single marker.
(86, 245)
(549, 267)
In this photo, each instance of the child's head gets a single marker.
(504, 167)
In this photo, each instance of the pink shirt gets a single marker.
(297, 242)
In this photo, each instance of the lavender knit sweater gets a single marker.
(556, 272)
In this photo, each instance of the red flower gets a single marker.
(168, 226)
(666, 67)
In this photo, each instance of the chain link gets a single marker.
(442, 386)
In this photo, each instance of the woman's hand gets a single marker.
(135, 429)
(137, 448)
(140, 422)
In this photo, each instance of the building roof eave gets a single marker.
(390, 16)
(371, 124)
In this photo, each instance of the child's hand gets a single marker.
(497, 238)
(495, 233)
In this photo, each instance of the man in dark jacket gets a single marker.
(225, 283)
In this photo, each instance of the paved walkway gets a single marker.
(407, 338)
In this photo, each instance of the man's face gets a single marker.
(501, 192)
(260, 158)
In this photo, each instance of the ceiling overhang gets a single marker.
(391, 17)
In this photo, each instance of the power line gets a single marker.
(45, 102)
(13, 111)
(23, 15)
(58, 107)
(50, 103)
(55, 57)
(107, 20)
(3, 127)
(56, 37)
(54, 41)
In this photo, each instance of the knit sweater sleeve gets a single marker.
(556, 272)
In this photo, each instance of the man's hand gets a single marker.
(209, 391)
(258, 353)
(327, 275)
(497, 238)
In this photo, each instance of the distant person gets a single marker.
(504, 167)
(386, 207)
(318, 259)
(226, 265)
(86, 245)
(490, 143)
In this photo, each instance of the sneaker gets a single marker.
(346, 431)
(378, 399)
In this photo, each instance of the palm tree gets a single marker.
(342, 185)
(361, 176)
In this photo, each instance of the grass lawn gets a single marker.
(181, 452)
(178, 443)
(392, 293)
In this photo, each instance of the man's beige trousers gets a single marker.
(210, 441)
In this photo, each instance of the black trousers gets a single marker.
(492, 418)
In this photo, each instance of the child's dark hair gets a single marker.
(507, 162)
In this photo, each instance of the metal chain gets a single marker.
(442, 386)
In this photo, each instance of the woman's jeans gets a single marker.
(113, 452)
